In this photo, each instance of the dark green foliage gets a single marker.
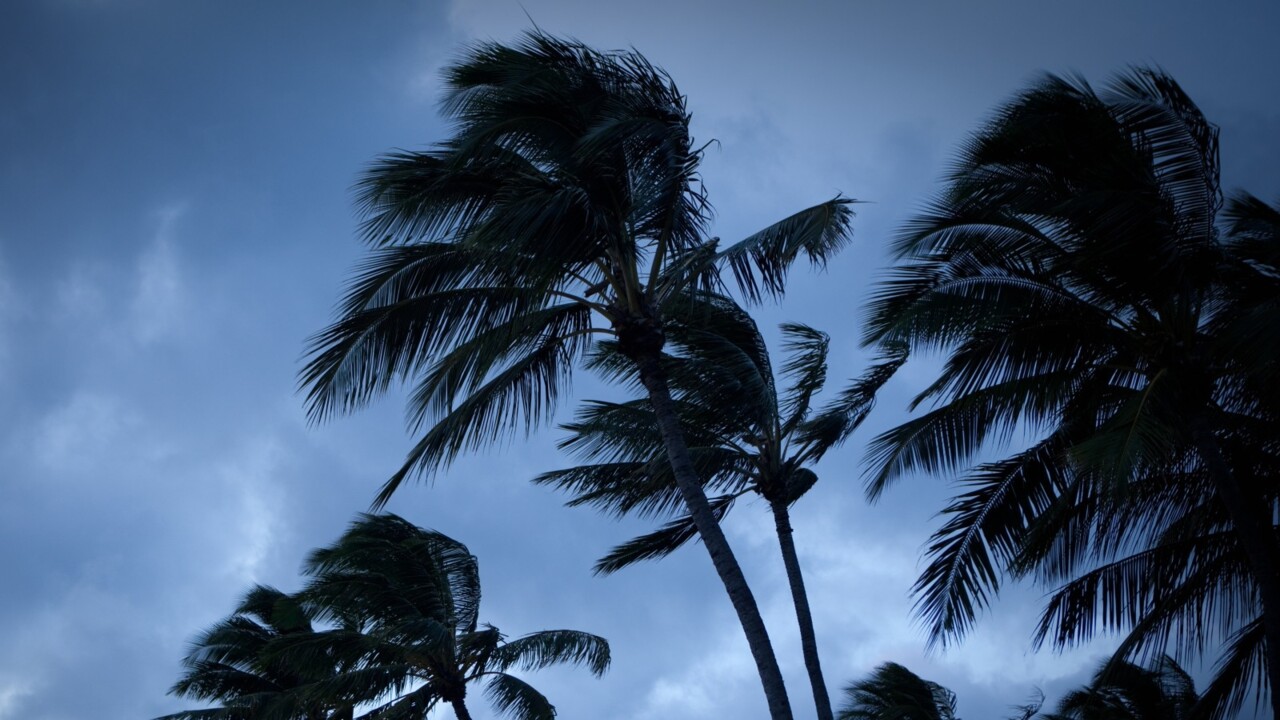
(1077, 276)
(1120, 690)
(403, 604)
(893, 692)
(566, 204)
(746, 432)
(235, 664)
(1124, 691)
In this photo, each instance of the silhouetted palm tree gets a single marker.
(893, 692)
(407, 603)
(1124, 691)
(1075, 272)
(566, 205)
(236, 664)
(745, 434)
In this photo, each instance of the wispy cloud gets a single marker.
(133, 302)
(248, 476)
(12, 690)
(700, 689)
(158, 301)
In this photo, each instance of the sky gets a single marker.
(176, 220)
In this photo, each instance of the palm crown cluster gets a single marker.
(1087, 287)
(1081, 273)
(402, 636)
(566, 206)
(1119, 690)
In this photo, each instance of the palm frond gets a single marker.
(1241, 668)
(405, 305)
(983, 536)
(526, 389)
(464, 370)
(1185, 592)
(838, 419)
(409, 706)
(515, 698)
(759, 263)
(892, 692)
(554, 647)
(805, 370)
(662, 542)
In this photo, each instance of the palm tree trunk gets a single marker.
(1252, 523)
(808, 638)
(460, 708)
(735, 583)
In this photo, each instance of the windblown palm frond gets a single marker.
(892, 692)
(237, 664)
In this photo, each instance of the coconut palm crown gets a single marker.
(235, 664)
(406, 602)
(892, 692)
(1121, 690)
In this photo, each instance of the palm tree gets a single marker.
(407, 601)
(567, 205)
(1076, 274)
(1121, 690)
(235, 663)
(892, 692)
(745, 434)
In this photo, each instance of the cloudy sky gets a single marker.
(175, 220)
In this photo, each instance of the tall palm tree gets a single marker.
(892, 692)
(1121, 690)
(407, 602)
(567, 205)
(1076, 274)
(745, 434)
(235, 663)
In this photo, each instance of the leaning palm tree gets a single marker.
(1076, 275)
(746, 433)
(236, 663)
(566, 206)
(1121, 690)
(407, 604)
(892, 692)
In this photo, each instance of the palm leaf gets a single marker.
(760, 262)
(661, 542)
(516, 698)
(527, 388)
(554, 647)
(892, 692)
(805, 369)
